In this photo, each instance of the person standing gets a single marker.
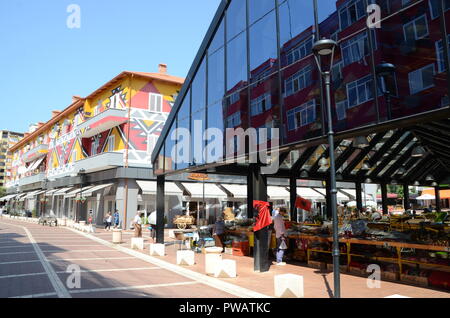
(108, 221)
(137, 223)
(116, 219)
(219, 230)
(1, 212)
(280, 234)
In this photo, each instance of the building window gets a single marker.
(341, 110)
(151, 143)
(416, 29)
(96, 110)
(359, 92)
(336, 71)
(421, 79)
(356, 48)
(300, 51)
(298, 81)
(302, 115)
(155, 103)
(111, 143)
(261, 104)
(233, 98)
(351, 12)
(268, 127)
(94, 147)
(440, 55)
(434, 7)
(234, 120)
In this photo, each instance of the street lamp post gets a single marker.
(326, 48)
(79, 203)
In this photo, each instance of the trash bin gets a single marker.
(117, 236)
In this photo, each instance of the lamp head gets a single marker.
(384, 69)
(324, 47)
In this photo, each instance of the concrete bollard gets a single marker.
(137, 242)
(289, 286)
(117, 236)
(157, 249)
(226, 269)
(212, 262)
(185, 258)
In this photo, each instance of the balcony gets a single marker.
(104, 121)
(39, 177)
(103, 161)
(35, 153)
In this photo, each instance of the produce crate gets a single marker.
(299, 255)
(316, 264)
(228, 251)
(342, 268)
(240, 248)
(357, 271)
(416, 280)
(390, 276)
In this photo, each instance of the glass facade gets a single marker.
(259, 71)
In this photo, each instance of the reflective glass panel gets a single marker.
(237, 62)
(216, 76)
(198, 88)
(236, 18)
(258, 8)
(218, 39)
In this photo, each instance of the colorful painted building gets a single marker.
(87, 157)
(7, 140)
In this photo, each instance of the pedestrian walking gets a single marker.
(280, 234)
(137, 223)
(116, 219)
(108, 221)
(1, 212)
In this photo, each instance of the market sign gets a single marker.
(198, 176)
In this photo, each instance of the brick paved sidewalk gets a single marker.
(317, 284)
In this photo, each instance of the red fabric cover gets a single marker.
(439, 279)
(263, 219)
(303, 204)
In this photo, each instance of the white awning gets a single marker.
(309, 194)
(8, 197)
(30, 195)
(238, 190)
(50, 192)
(352, 193)
(340, 195)
(35, 164)
(74, 193)
(149, 187)
(62, 191)
(277, 193)
(211, 190)
(40, 192)
(96, 188)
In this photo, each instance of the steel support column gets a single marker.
(438, 198)
(258, 187)
(293, 196)
(160, 209)
(358, 189)
(406, 204)
(384, 197)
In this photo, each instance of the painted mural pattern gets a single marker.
(66, 145)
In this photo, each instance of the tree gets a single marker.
(2, 192)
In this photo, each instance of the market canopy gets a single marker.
(309, 193)
(340, 196)
(444, 194)
(149, 187)
(90, 191)
(62, 191)
(74, 193)
(50, 192)
(426, 197)
(367, 203)
(211, 190)
(277, 193)
(7, 197)
(238, 191)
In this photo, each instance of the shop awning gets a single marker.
(7, 197)
(96, 188)
(62, 191)
(149, 187)
(74, 193)
(309, 194)
(50, 192)
(352, 194)
(277, 193)
(444, 194)
(35, 164)
(30, 195)
(211, 190)
(340, 195)
(238, 190)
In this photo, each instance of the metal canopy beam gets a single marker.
(326, 154)
(303, 158)
(391, 156)
(375, 140)
(401, 161)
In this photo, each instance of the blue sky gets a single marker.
(43, 63)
